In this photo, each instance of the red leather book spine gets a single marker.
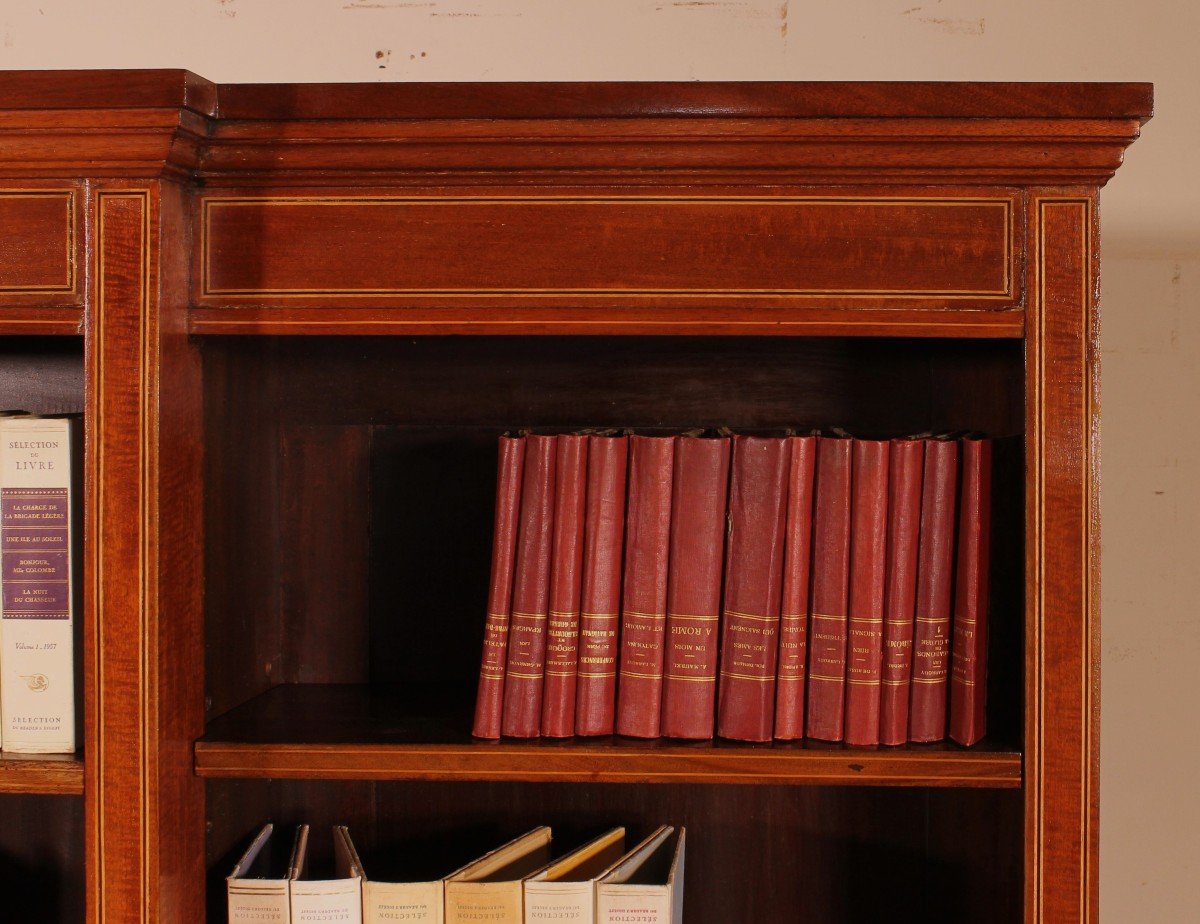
(566, 578)
(968, 660)
(490, 699)
(900, 595)
(793, 617)
(935, 577)
(753, 588)
(868, 564)
(600, 603)
(644, 600)
(830, 591)
(698, 506)
(524, 673)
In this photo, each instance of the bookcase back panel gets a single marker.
(41, 859)
(759, 853)
(873, 387)
(41, 375)
(351, 481)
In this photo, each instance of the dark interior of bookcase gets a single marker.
(41, 858)
(41, 375)
(349, 486)
(41, 836)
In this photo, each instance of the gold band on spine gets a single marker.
(751, 616)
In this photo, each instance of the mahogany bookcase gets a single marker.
(297, 317)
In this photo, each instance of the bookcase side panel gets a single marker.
(1062, 627)
(143, 597)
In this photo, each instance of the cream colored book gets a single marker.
(406, 881)
(258, 888)
(37, 538)
(647, 884)
(491, 888)
(419, 902)
(330, 894)
(566, 889)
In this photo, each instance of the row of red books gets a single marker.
(753, 587)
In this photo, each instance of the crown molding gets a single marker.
(173, 124)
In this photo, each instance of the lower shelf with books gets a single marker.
(754, 854)
(351, 731)
(533, 878)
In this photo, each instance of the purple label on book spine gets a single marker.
(34, 538)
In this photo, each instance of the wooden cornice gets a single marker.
(155, 123)
(97, 143)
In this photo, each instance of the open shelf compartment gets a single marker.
(349, 493)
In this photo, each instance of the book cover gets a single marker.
(566, 889)
(698, 502)
(492, 887)
(935, 579)
(419, 901)
(753, 588)
(524, 670)
(644, 597)
(868, 565)
(830, 591)
(968, 659)
(257, 890)
(791, 676)
(600, 604)
(907, 461)
(566, 578)
(490, 698)
(646, 885)
(38, 543)
(404, 880)
(331, 892)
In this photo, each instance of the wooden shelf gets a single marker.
(808, 321)
(40, 321)
(45, 774)
(351, 732)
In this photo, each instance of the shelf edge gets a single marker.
(40, 321)
(1009, 323)
(991, 770)
(34, 775)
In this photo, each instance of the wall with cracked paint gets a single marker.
(1151, 739)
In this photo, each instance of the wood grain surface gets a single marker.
(262, 511)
